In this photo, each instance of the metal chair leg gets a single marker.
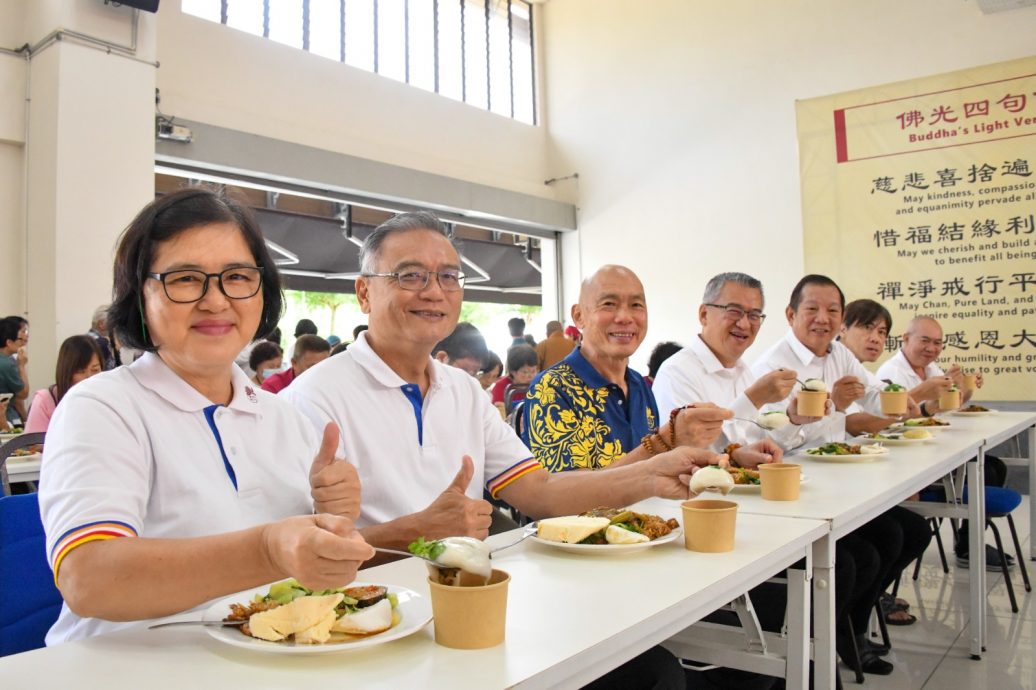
(1018, 553)
(936, 525)
(1003, 566)
(882, 627)
(854, 652)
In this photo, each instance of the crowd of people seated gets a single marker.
(216, 466)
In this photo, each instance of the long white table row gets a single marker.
(572, 617)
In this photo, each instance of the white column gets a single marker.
(90, 149)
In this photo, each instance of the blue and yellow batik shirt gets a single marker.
(577, 419)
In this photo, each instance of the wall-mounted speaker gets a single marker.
(146, 5)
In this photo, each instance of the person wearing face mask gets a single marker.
(79, 358)
(265, 359)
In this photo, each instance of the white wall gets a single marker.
(12, 135)
(221, 76)
(679, 118)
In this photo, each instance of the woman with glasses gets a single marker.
(174, 481)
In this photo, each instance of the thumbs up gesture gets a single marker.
(453, 514)
(334, 484)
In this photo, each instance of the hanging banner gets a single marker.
(921, 195)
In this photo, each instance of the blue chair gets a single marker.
(29, 601)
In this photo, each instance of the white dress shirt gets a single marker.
(898, 370)
(789, 353)
(695, 374)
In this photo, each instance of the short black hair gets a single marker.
(520, 356)
(813, 279)
(163, 219)
(661, 353)
(864, 312)
(491, 362)
(263, 351)
(359, 329)
(9, 329)
(305, 327)
(309, 343)
(466, 342)
(516, 326)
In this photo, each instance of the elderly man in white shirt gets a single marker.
(914, 366)
(711, 369)
(815, 315)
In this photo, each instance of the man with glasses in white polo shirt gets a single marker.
(424, 437)
(711, 368)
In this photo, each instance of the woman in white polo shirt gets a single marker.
(175, 480)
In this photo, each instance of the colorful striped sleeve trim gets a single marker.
(77, 536)
(508, 476)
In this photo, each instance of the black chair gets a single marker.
(510, 393)
(7, 450)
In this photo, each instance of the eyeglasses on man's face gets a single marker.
(187, 285)
(417, 280)
(736, 312)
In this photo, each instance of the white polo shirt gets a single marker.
(695, 374)
(839, 361)
(405, 449)
(898, 370)
(137, 452)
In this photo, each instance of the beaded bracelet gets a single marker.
(729, 450)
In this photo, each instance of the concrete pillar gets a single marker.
(90, 160)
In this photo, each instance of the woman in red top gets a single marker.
(521, 369)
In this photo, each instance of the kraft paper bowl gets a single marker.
(812, 403)
(708, 525)
(779, 481)
(893, 403)
(950, 400)
(970, 382)
(470, 617)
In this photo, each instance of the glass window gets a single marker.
(325, 28)
(476, 51)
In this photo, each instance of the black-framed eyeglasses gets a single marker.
(187, 285)
(736, 312)
(449, 281)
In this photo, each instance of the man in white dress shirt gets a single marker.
(815, 315)
(711, 369)
(914, 366)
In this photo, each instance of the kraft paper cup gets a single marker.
(970, 382)
(950, 400)
(470, 617)
(812, 403)
(708, 525)
(780, 481)
(893, 403)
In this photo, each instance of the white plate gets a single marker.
(757, 488)
(604, 549)
(962, 413)
(416, 611)
(24, 458)
(894, 441)
(861, 457)
(4, 438)
(899, 426)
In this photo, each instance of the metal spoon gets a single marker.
(222, 624)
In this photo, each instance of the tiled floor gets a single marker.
(933, 652)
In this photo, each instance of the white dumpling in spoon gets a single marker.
(772, 420)
(467, 553)
(366, 621)
(712, 478)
